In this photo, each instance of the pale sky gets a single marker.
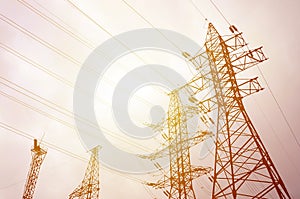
(35, 54)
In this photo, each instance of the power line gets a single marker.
(53, 22)
(76, 35)
(48, 45)
(220, 12)
(31, 62)
(119, 41)
(62, 150)
(198, 9)
(43, 101)
(70, 114)
(38, 39)
(67, 124)
(55, 49)
(276, 136)
(146, 20)
(70, 33)
(12, 184)
(102, 28)
(36, 65)
(279, 107)
(52, 74)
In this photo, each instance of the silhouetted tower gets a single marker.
(178, 185)
(242, 167)
(38, 155)
(89, 187)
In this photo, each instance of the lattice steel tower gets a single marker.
(242, 167)
(89, 187)
(38, 155)
(178, 183)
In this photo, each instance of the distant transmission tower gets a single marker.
(38, 155)
(242, 167)
(178, 185)
(89, 187)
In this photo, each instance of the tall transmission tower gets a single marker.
(38, 155)
(242, 166)
(89, 187)
(178, 184)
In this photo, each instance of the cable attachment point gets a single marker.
(233, 29)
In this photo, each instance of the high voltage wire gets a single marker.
(69, 113)
(31, 62)
(12, 184)
(52, 74)
(43, 42)
(53, 22)
(42, 112)
(61, 150)
(198, 9)
(47, 44)
(30, 137)
(42, 100)
(113, 37)
(279, 107)
(103, 29)
(67, 124)
(28, 106)
(147, 21)
(40, 41)
(26, 94)
(35, 64)
(70, 33)
(276, 136)
(52, 47)
(220, 12)
(59, 120)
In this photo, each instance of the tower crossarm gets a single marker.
(198, 138)
(199, 171)
(248, 87)
(247, 59)
(190, 142)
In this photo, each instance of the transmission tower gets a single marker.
(38, 155)
(178, 184)
(242, 167)
(89, 187)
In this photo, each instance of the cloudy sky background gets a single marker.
(41, 60)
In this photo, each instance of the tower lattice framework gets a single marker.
(38, 156)
(178, 184)
(89, 187)
(242, 166)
